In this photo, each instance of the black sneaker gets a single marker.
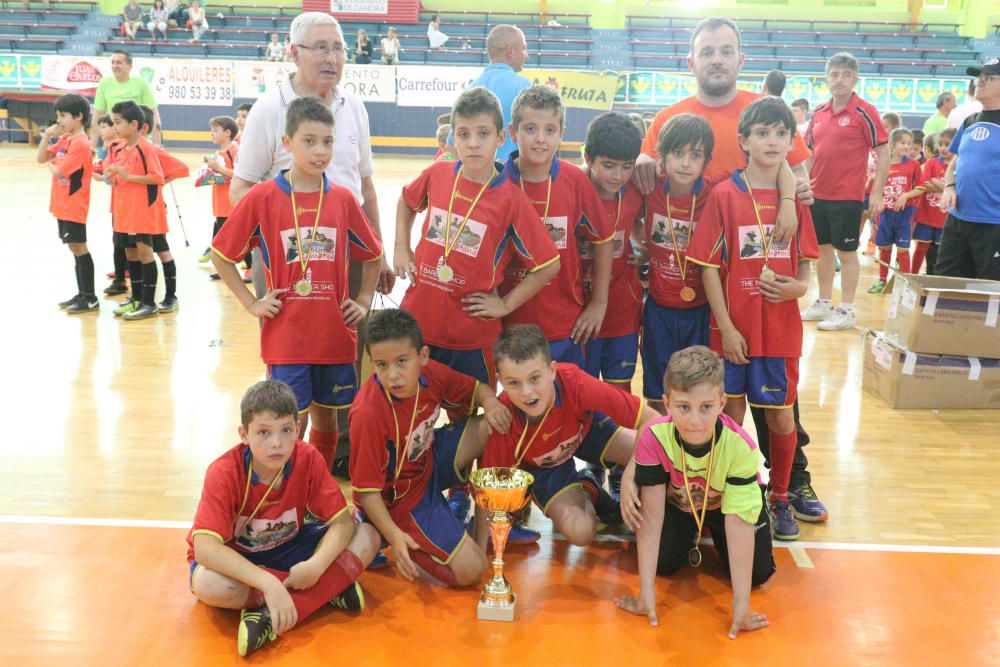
(70, 301)
(168, 305)
(255, 630)
(342, 468)
(351, 599)
(608, 511)
(214, 276)
(84, 304)
(116, 288)
(143, 312)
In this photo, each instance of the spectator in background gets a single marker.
(391, 48)
(199, 24)
(800, 108)
(288, 49)
(435, 37)
(363, 49)
(131, 19)
(275, 52)
(178, 15)
(945, 103)
(774, 83)
(966, 109)
(158, 19)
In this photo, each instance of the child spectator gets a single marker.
(224, 129)
(391, 48)
(569, 209)
(446, 151)
(137, 179)
(756, 322)
(560, 412)
(917, 147)
(311, 229)
(272, 535)
(275, 51)
(401, 463)
(477, 221)
(696, 468)
(929, 217)
(901, 186)
(69, 162)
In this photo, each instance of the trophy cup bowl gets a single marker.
(499, 491)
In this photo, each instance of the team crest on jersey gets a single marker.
(321, 246)
(470, 239)
(661, 233)
(981, 133)
(558, 229)
(752, 245)
(844, 121)
(264, 534)
(677, 497)
(422, 436)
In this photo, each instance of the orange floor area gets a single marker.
(88, 595)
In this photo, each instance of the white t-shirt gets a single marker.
(963, 111)
(261, 154)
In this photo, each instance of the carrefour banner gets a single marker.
(899, 94)
(583, 90)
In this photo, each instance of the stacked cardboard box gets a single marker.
(941, 345)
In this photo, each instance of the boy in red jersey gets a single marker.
(223, 129)
(930, 218)
(752, 284)
(559, 411)
(308, 338)
(612, 145)
(401, 463)
(697, 469)
(902, 188)
(568, 206)
(457, 266)
(69, 161)
(251, 545)
(137, 178)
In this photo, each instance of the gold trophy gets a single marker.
(499, 491)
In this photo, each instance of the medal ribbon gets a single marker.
(681, 265)
(517, 450)
(246, 496)
(401, 456)
(448, 247)
(699, 521)
(548, 198)
(304, 256)
(765, 242)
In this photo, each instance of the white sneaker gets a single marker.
(838, 320)
(817, 311)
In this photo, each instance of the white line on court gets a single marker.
(832, 546)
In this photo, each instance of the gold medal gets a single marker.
(688, 294)
(445, 273)
(694, 556)
(303, 287)
(767, 275)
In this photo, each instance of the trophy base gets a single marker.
(485, 612)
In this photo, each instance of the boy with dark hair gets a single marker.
(477, 222)
(401, 463)
(242, 111)
(69, 162)
(756, 323)
(560, 412)
(224, 130)
(109, 140)
(272, 535)
(903, 184)
(137, 177)
(697, 468)
(613, 143)
(309, 229)
(929, 216)
(800, 109)
(569, 208)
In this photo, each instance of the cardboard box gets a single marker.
(939, 315)
(907, 379)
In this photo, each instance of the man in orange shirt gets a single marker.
(715, 60)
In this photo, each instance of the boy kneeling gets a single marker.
(695, 468)
(251, 546)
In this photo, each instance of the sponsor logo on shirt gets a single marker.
(844, 121)
(752, 245)
(469, 239)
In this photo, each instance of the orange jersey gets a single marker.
(727, 154)
(135, 204)
(221, 207)
(113, 147)
(70, 196)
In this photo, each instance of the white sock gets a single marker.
(826, 302)
(847, 307)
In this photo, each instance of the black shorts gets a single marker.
(122, 240)
(837, 223)
(160, 243)
(969, 250)
(72, 232)
(145, 239)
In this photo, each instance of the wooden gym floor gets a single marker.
(110, 426)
